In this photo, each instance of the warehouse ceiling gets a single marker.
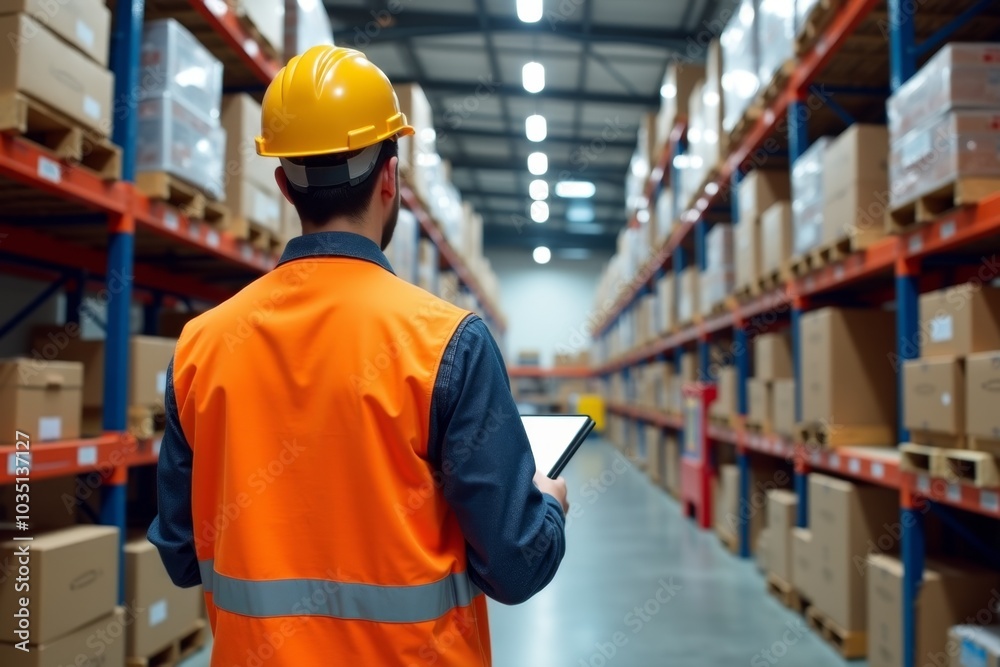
(604, 64)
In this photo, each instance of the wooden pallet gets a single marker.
(817, 21)
(144, 421)
(832, 435)
(747, 291)
(763, 428)
(802, 265)
(778, 82)
(850, 644)
(773, 280)
(746, 123)
(968, 466)
(831, 252)
(729, 540)
(161, 186)
(919, 458)
(269, 50)
(179, 650)
(784, 591)
(67, 139)
(930, 206)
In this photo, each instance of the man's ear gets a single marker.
(282, 181)
(389, 183)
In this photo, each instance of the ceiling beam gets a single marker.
(488, 86)
(559, 170)
(595, 201)
(553, 238)
(472, 133)
(364, 27)
(581, 80)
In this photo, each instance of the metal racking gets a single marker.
(108, 234)
(891, 268)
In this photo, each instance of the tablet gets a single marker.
(555, 438)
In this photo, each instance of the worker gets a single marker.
(343, 468)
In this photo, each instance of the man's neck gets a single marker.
(344, 225)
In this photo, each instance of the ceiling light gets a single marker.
(533, 77)
(579, 212)
(640, 167)
(538, 163)
(668, 91)
(538, 189)
(680, 161)
(535, 127)
(529, 11)
(575, 189)
(539, 211)
(542, 255)
(711, 188)
(642, 215)
(711, 98)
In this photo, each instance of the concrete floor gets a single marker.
(642, 587)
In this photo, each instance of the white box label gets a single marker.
(49, 169)
(251, 48)
(19, 460)
(212, 238)
(923, 484)
(948, 229)
(49, 428)
(854, 465)
(834, 461)
(942, 328)
(989, 501)
(170, 221)
(878, 470)
(157, 613)
(161, 382)
(91, 107)
(85, 34)
(954, 493)
(86, 456)
(946, 398)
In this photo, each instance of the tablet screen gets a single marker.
(551, 435)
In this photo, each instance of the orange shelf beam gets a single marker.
(71, 457)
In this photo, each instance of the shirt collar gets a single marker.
(334, 244)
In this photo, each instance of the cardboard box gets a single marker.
(724, 407)
(726, 510)
(748, 255)
(960, 320)
(41, 398)
(665, 307)
(982, 395)
(772, 356)
(859, 155)
(855, 211)
(679, 81)
(148, 360)
(53, 503)
(847, 522)
(689, 367)
(84, 24)
(934, 398)
(846, 375)
(97, 644)
(781, 514)
(250, 203)
(672, 464)
(760, 189)
(46, 68)
(804, 562)
(268, 17)
(169, 611)
(241, 119)
(950, 593)
(783, 407)
(687, 303)
(974, 646)
(775, 237)
(759, 405)
(74, 579)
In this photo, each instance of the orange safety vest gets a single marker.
(306, 400)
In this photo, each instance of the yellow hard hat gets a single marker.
(328, 100)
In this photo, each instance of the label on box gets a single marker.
(946, 398)
(84, 34)
(86, 456)
(91, 107)
(161, 382)
(157, 613)
(49, 428)
(973, 655)
(942, 328)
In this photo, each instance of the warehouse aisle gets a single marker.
(669, 594)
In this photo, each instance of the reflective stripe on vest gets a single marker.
(323, 597)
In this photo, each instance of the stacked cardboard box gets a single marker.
(845, 520)
(759, 190)
(772, 355)
(807, 198)
(855, 186)
(179, 112)
(973, 646)
(765, 475)
(71, 609)
(782, 506)
(740, 71)
(724, 408)
(252, 193)
(776, 238)
(951, 591)
(775, 23)
(958, 324)
(41, 398)
(665, 311)
(715, 283)
(943, 122)
(848, 383)
(167, 612)
(687, 296)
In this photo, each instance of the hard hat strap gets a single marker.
(353, 171)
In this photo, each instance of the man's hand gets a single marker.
(554, 487)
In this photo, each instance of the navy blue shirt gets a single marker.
(514, 534)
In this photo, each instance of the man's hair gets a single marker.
(317, 205)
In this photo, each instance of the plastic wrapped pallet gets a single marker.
(252, 194)
(175, 63)
(676, 91)
(268, 17)
(959, 76)
(775, 36)
(314, 27)
(803, 8)
(712, 146)
(177, 139)
(740, 80)
(402, 250)
(695, 167)
(807, 197)
(960, 144)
